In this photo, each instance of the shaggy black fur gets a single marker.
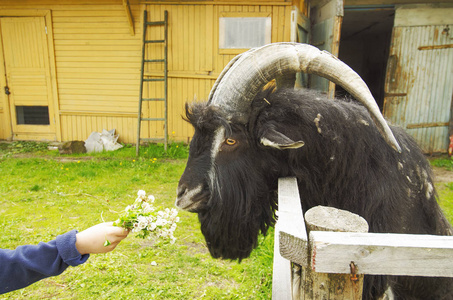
(345, 163)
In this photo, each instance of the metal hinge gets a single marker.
(46, 29)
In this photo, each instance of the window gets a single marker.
(32, 115)
(238, 32)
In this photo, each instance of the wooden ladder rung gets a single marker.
(154, 60)
(153, 119)
(153, 79)
(153, 99)
(144, 78)
(155, 23)
(154, 41)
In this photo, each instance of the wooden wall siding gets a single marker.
(98, 69)
(194, 61)
(3, 134)
(98, 61)
(79, 127)
(97, 65)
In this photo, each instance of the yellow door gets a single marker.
(28, 78)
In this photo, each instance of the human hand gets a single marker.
(92, 239)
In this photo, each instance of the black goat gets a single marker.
(339, 158)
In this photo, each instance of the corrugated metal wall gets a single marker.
(419, 83)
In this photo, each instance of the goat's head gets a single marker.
(225, 180)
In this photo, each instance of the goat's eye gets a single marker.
(230, 142)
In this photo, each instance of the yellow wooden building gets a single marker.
(69, 67)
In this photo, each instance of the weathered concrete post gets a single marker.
(315, 285)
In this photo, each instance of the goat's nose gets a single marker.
(182, 189)
(180, 192)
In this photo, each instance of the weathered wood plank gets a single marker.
(379, 253)
(333, 286)
(293, 235)
(324, 218)
(281, 277)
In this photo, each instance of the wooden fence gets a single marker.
(326, 255)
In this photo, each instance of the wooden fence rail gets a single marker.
(317, 263)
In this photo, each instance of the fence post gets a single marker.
(291, 242)
(332, 286)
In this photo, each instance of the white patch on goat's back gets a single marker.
(427, 184)
(364, 122)
(317, 120)
(429, 189)
(388, 295)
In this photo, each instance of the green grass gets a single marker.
(443, 162)
(44, 194)
(445, 189)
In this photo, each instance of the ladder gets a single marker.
(144, 79)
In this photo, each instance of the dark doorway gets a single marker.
(364, 45)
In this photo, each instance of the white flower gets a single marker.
(146, 208)
(136, 228)
(151, 198)
(159, 221)
(152, 226)
(142, 222)
(143, 219)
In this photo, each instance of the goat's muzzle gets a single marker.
(193, 200)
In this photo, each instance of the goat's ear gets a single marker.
(273, 138)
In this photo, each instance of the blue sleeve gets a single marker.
(28, 264)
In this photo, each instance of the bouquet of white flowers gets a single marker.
(143, 219)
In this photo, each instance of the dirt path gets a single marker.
(442, 175)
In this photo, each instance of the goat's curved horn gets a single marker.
(246, 75)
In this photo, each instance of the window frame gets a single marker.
(268, 30)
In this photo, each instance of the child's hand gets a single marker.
(92, 239)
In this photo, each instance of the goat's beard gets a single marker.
(240, 207)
